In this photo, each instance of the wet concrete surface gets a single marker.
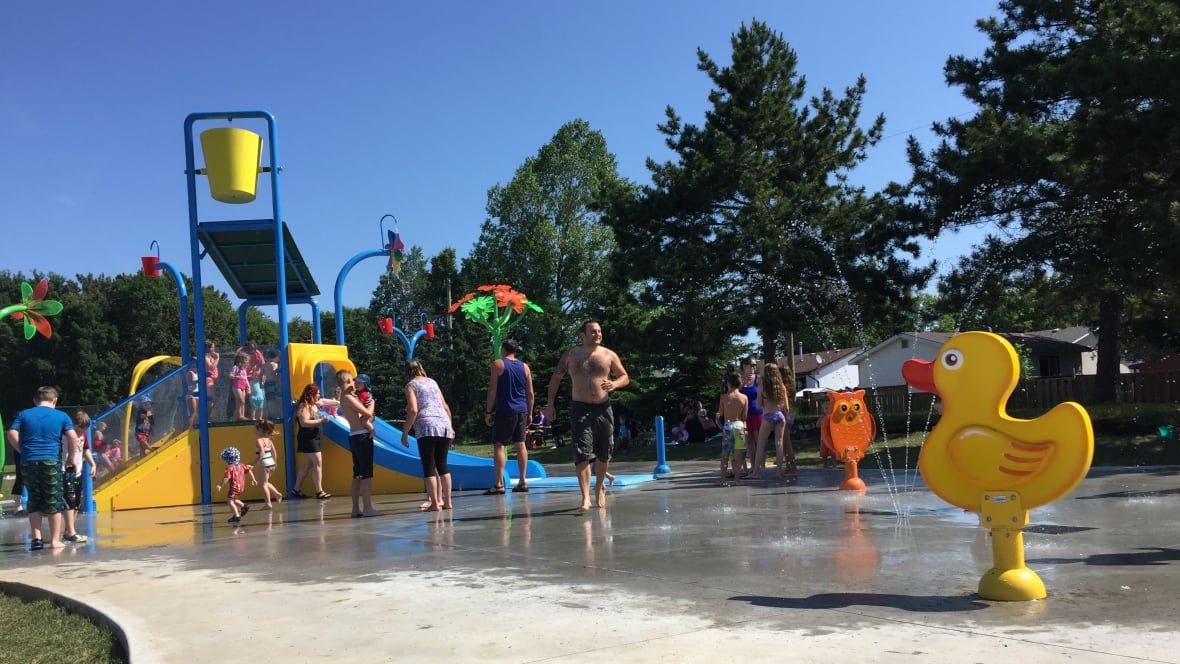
(671, 569)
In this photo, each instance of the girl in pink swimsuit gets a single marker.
(239, 377)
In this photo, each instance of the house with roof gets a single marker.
(824, 370)
(1084, 336)
(881, 364)
(1061, 354)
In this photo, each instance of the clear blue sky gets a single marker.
(414, 109)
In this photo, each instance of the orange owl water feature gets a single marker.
(848, 429)
(980, 459)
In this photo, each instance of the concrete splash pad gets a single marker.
(674, 569)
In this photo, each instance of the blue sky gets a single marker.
(413, 109)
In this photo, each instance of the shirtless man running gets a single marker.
(590, 367)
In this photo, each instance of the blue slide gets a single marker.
(467, 471)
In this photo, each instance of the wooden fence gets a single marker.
(1037, 394)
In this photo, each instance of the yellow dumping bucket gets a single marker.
(232, 159)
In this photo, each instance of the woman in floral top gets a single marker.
(429, 417)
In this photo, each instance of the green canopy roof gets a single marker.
(245, 254)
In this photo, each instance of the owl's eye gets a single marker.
(952, 359)
(856, 407)
(843, 408)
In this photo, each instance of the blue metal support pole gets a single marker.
(317, 332)
(338, 293)
(243, 334)
(176, 276)
(88, 504)
(198, 303)
(662, 467)
(190, 170)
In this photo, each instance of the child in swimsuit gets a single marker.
(235, 476)
(265, 449)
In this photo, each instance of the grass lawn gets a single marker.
(41, 632)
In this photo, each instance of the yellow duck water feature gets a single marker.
(981, 459)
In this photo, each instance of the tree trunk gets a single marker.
(768, 349)
(1110, 314)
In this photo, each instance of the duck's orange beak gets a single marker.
(919, 374)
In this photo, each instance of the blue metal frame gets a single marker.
(183, 294)
(317, 334)
(198, 304)
(338, 293)
(409, 343)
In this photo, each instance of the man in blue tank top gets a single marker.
(510, 400)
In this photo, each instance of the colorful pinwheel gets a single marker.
(498, 307)
(397, 252)
(33, 309)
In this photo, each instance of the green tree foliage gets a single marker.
(260, 328)
(458, 357)
(543, 236)
(107, 325)
(754, 224)
(1025, 299)
(1073, 154)
(403, 298)
(221, 319)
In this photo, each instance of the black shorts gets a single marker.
(593, 429)
(309, 440)
(71, 489)
(508, 428)
(361, 445)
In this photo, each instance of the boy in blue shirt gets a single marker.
(37, 433)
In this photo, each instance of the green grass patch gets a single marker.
(42, 632)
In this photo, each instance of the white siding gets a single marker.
(839, 375)
(883, 368)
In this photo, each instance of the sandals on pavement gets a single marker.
(494, 491)
(323, 495)
(519, 488)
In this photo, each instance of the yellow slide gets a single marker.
(171, 474)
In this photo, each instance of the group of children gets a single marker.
(51, 448)
(266, 456)
(769, 414)
(253, 382)
(250, 379)
(235, 472)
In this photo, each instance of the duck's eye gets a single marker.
(952, 359)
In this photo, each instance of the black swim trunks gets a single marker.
(593, 428)
(361, 445)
